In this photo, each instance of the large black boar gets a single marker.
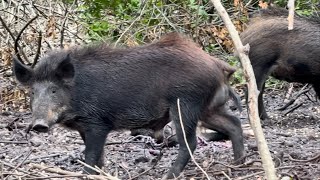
(97, 89)
(292, 55)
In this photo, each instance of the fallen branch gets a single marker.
(41, 157)
(307, 160)
(225, 175)
(25, 158)
(57, 176)
(293, 108)
(11, 166)
(70, 174)
(302, 91)
(261, 172)
(289, 93)
(252, 92)
(13, 142)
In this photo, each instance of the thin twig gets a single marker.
(21, 170)
(13, 142)
(97, 170)
(64, 172)
(250, 175)
(16, 42)
(11, 34)
(307, 160)
(225, 175)
(25, 158)
(38, 50)
(302, 91)
(125, 31)
(41, 157)
(294, 108)
(165, 17)
(58, 176)
(186, 141)
(2, 170)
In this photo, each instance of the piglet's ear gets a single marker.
(22, 72)
(65, 70)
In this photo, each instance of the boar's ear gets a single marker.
(65, 69)
(22, 72)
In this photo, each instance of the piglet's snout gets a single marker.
(40, 125)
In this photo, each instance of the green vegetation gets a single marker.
(303, 7)
(133, 22)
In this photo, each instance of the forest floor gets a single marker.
(293, 139)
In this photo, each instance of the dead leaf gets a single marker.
(51, 27)
(263, 5)
(236, 3)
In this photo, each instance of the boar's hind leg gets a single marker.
(261, 75)
(95, 138)
(189, 117)
(229, 125)
(316, 88)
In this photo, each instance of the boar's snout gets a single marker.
(40, 126)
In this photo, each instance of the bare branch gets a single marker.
(268, 165)
(6, 27)
(38, 50)
(291, 14)
(16, 42)
(62, 27)
(302, 91)
(12, 36)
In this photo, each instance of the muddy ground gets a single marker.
(294, 142)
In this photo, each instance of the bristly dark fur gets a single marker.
(97, 89)
(291, 55)
(275, 11)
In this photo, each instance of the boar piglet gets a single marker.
(291, 55)
(97, 89)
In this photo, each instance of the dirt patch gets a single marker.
(294, 142)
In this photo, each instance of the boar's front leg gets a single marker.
(94, 139)
(189, 117)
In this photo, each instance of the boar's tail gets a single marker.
(227, 69)
(236, 99)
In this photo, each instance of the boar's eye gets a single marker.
(53, 91)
